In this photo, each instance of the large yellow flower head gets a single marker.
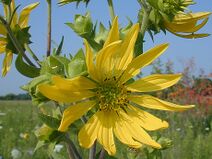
(22, 21)
(117, 103)
(186, 24)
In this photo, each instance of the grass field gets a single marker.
(191, 134)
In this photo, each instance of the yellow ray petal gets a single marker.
(105, 134)
(121, 133)
(185, 27)
(125, 55)
(142, 61)
(191, 36)
(24, 16)
(190, 17)
(56, 94)
(72, 113)
(15, 16)
(135, 130)
(2, 30)
(154, 82)
(7, 63)
(88, 133)
(104, 63)
(78, 83)
(155, 103)
(146, 120)
(90, 63)
(113, 34)
(3, 44)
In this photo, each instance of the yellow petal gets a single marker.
(185, 27)
(78, 83)
(191, 36)
(154, 82)
(90, 63)
(142, 61)
(15, 16)
(2, 30)
(126, 51)
(120, 131)
(88, 133)
(146, 120)
(3, 44)
(135, 130)
(56, 94)
(113, 34)
(104, 61)
(72, 113)
(155, 103)
(105, 134)
(190, 17)
(7, 63)
(24, 16)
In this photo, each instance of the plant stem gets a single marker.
(145, 19)
(72, 151)
(26, 46)
(15, 41)
(102, 154)
(92, 151)
(49, 2)
(111, 9)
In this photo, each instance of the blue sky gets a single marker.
(179, 50)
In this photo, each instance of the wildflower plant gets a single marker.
(100, 84)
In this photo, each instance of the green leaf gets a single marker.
(52, 122)
(57, 136)
(39, 145)
(7, 2)
(25, 69)
(77, 66)
(59, 49)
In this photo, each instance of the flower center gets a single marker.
(111, 96)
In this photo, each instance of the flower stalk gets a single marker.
(49, 2)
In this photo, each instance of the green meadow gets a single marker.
(190, 133)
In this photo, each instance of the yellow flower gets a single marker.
(22, 21)
(187, 23)
(117, 101)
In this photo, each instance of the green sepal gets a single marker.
(31, 88)
(22, 35)
(59, 49)
(77, 66)
(50, 121)
(6, 2)
(84, 27)
(25, 69)
(54, 65)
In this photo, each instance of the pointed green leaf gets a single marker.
(52, 122)
(25, 69)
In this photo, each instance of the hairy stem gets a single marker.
(145, 19)
(102, 154)
(71, 149)
(92, 151)
(111, 9)
(15, 41)
(49, 2)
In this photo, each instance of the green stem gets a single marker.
(71, 149)
(102, 154)
(145, 19)
(92, 151)
(111, 9)
(15, 41)
(49, 2)
(28, 49)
